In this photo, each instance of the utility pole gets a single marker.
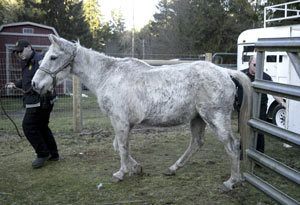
(143, 49)
(132, 31)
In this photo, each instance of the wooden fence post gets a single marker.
(208, 57)
(77, 117)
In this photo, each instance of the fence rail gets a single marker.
(284, 11)
(291, 91)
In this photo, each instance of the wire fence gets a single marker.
(62, 114)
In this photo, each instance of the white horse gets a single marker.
(130, 92)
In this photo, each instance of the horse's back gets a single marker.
(191, 79)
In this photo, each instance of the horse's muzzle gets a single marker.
(36, 88)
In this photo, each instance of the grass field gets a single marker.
(89, 159)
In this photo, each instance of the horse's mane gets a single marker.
(110, 61)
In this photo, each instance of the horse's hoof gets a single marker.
(116, 178)
(224, 189)
(138, 169)
(169, 172)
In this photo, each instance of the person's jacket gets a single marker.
(31, 98)
(264, 97)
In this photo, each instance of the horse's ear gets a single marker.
(55, 40)
(61, 43)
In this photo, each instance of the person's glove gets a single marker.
(10, 85)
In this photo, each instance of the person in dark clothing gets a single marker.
(38, 107)
(250, 72)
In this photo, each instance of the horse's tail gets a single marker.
(246, 108)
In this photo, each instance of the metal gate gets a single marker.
(292, 47)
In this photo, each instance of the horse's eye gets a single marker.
(53, 58)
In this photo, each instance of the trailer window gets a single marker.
(247, 53)
(246, 58)
(271, 59)
(248, 48)
(280, 58)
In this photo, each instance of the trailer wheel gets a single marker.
(278, 117)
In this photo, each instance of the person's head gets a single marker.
(23, 49)
(252, 65)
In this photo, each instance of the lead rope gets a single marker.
(6, 114)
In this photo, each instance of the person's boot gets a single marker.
(39, 162)
(54, 157)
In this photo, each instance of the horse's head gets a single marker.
(55, 66)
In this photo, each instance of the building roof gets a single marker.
(28, 23)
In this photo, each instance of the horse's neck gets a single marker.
(91, 67)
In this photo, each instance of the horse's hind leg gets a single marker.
(121, 142)
(220, 122)
(197, 126)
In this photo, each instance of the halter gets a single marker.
(61, 68)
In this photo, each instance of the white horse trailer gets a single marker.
(276, 64)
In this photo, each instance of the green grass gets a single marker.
(88, 160)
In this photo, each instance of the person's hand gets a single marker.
(10, 85)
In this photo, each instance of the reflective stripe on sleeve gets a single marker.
(32, 105)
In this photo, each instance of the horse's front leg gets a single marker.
(121, 142)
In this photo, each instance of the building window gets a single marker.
(27, 30)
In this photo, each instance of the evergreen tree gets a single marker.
(66, 16)
(91, 11)
(79, 28)
(199, 26)
(10, 10)
(101, 31)
(117, 38)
